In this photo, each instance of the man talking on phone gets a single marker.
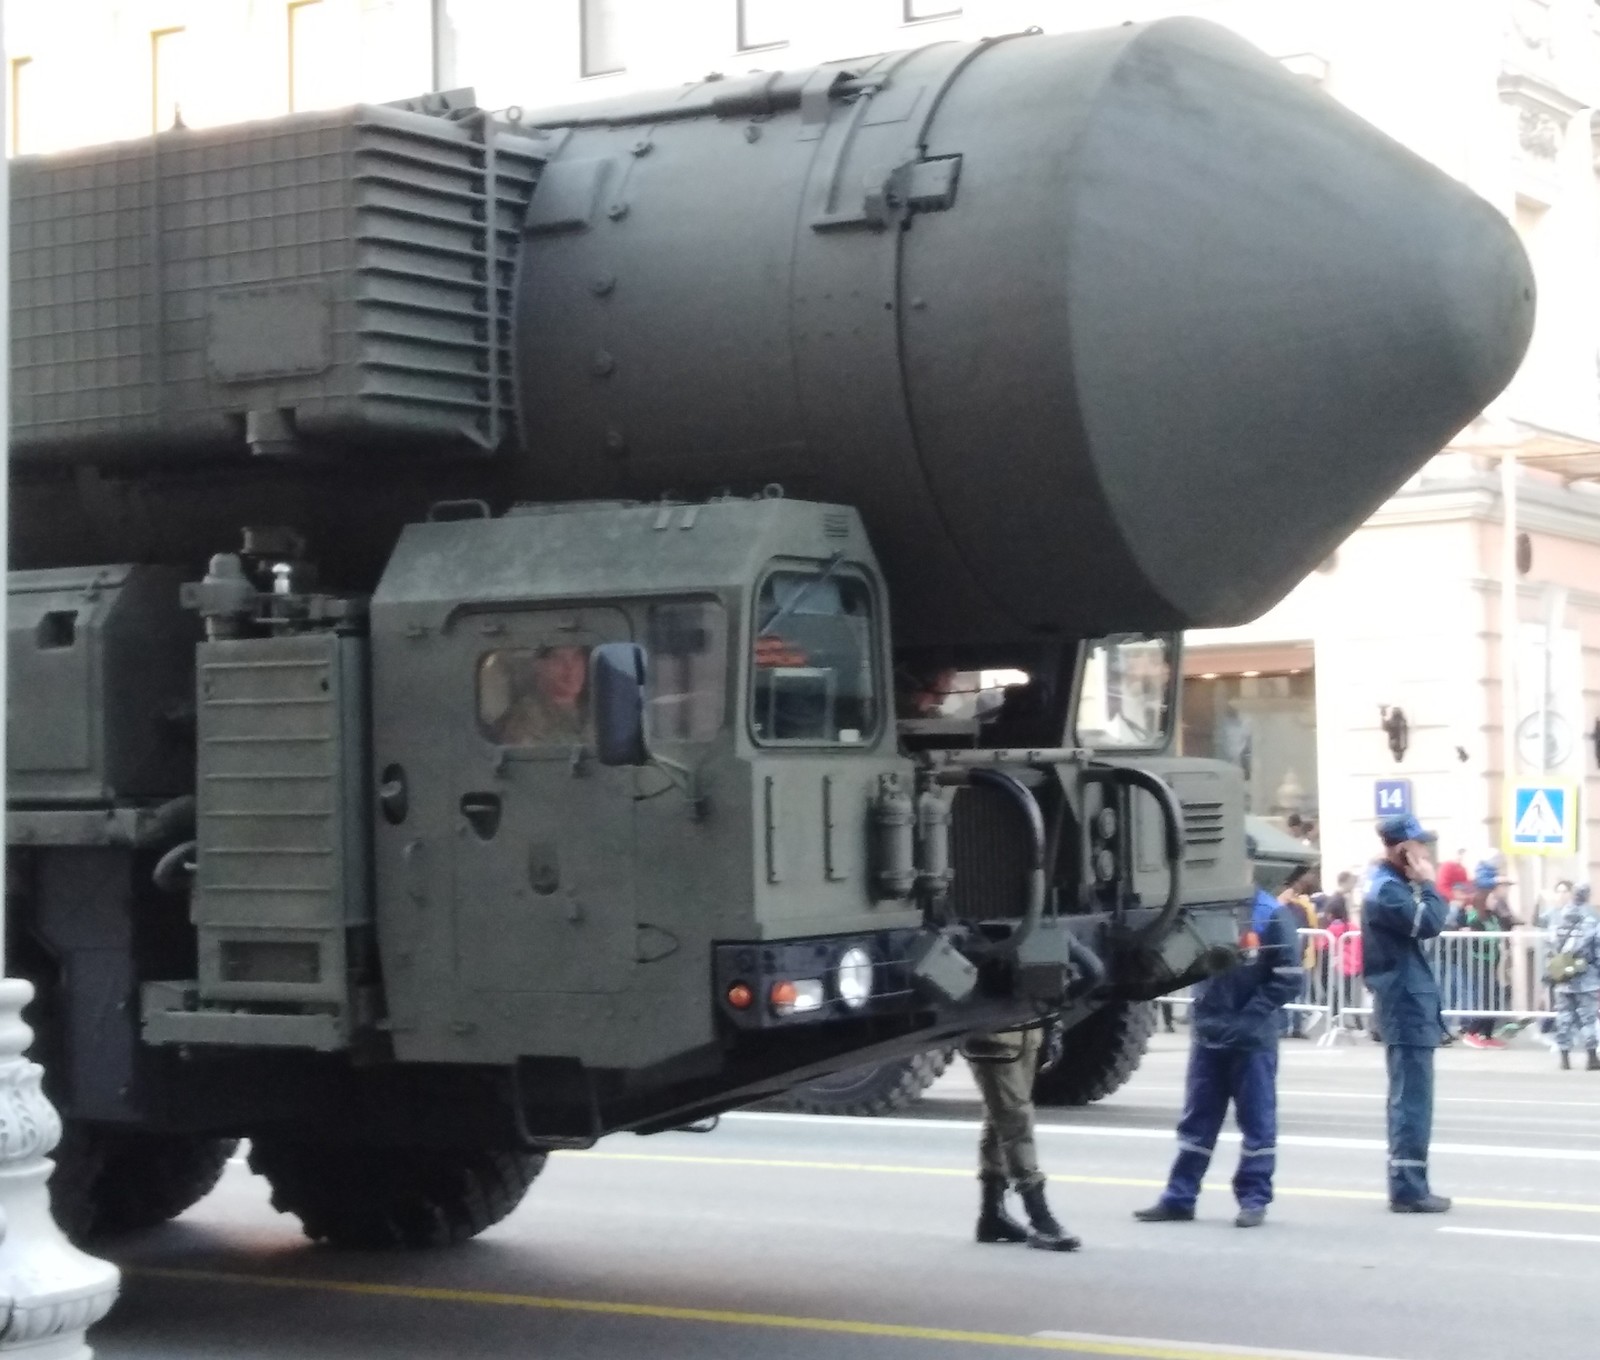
(1403, 908)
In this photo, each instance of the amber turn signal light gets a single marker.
(783, 994)
(740, 996)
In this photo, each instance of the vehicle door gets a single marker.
(545, 860)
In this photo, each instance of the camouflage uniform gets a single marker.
(1576, 931)
(1003, 1066)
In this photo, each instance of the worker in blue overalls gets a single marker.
(1402, 909)
(1233, 1055)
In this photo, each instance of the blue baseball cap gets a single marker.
(1393, 830)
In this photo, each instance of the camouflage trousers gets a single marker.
(1575, 1019)
(1003, 1067)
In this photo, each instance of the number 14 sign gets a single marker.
(1391, 798)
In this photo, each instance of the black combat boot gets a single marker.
(1047, 1235)
(1566, 1061)
(994, 1223)
(1594, 1061)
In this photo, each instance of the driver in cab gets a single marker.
(528, 698)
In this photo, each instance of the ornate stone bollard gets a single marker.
(50, 1292)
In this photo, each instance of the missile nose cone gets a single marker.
(1486, 300)
(1258, 314)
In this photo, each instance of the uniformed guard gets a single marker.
(1233, 1056)
(1402, 909)
(1004, 1065)
(1574, 975)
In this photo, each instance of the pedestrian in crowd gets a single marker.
(1345, 967)
(1453, 872)
(1295, 899)
(1233, 1056)
(1574, 973)
(1481, 959)
(1324, 983)
(1003, 1066)
(1454, 974)
(1404, 909)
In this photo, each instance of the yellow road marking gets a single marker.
(1130, 1350)
(1286, 1192)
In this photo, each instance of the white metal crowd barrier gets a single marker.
(1482, 975)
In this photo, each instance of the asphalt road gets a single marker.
(791, 1236)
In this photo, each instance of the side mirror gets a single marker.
(617, 675)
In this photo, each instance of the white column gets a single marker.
(50, 1292)
(1509, 641)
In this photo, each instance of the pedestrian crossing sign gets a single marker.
(1543, 819)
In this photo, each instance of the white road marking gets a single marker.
(1500, 1150)
(1591, 1238)
(1591, 1105)
(1196, 1347)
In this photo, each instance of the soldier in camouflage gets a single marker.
(1004, 1065)
(1574, 937)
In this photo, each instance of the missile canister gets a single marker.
(1073, 321)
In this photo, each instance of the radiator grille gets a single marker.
(991, 851)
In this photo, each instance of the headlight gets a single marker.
(854, 979)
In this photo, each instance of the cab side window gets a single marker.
(812, 663)
(686, 693)
(534, 696)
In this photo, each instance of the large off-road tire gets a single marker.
(1098, 1055)
(883, 1088)
(148, 1178)
(78, 1158)
(381, 1197)
(112, 1180)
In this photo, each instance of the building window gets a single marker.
(22, 102)
(917, 10)
(762, 23)
(313, 70)
(600, 37)
(169, 57)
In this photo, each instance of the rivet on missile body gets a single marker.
(752, 133)
(616, 445)
(603, 284)
(604, 364)
(642, 148)
(617, 211)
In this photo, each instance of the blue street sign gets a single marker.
(1391, 798)
(1543, 820)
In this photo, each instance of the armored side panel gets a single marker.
(327, 279)
(100, 665)
(283, 865)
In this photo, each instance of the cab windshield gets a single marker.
(1125, 697)
(813, 678)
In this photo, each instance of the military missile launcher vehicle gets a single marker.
(473, 575)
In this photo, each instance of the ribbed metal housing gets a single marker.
(323, 278)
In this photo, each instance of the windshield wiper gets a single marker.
(805, 592)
